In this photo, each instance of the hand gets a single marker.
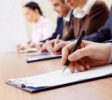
(39, 46)
(88, 55)
(32, 45)
(50, 46)
(20, 47)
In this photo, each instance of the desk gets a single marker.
(13, 65)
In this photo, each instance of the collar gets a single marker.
(67, 18)
(80, 13)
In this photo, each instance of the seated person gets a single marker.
(89, 55)
(89, 16)
(42, 27)
(64, 21)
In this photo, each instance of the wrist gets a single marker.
(110, 52)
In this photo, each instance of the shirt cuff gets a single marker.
(110, 59)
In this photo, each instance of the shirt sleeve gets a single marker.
(47, 29)
(110, 60)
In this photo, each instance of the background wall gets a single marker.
(13, 27)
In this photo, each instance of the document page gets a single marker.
(57, 78)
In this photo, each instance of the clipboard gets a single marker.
(58, 79)
(41, 57)
(46, 81)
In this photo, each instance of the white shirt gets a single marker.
(81, 13)
(42, 30)
(67, 17)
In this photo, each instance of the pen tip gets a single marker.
(64, 69)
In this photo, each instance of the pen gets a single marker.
(57, 39)
(76, 45)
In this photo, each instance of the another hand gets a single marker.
(20, 47)
(50, 46)
(89, 55)
(39, 46)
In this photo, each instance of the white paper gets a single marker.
(59, 78)
(38, 56)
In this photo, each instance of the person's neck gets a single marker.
(37, 18)
(82, 3)
(67, 11)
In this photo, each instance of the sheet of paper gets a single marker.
(43, 55)
(59, 78)
(28, 50)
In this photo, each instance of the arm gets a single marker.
(103, 33)
(84, 58)
(96, 18)
(59, 29)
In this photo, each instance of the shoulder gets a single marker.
(99, 8)
(46, 21)
(100, 5)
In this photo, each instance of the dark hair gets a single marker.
(63, 1)
(34, 6)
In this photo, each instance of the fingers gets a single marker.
(38, 47)
(65, 53)
(43, 48)
(19, 47)
(73, 67)
(32, 45)
(79, 66)
(84, 65)
(49, 45)
(79, 54)
(58, 47)
(29, 42)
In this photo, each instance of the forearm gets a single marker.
(101, 36)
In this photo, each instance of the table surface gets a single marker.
(13, 65)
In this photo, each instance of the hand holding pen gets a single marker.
(76, 45)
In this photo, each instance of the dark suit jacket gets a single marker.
(104, 34)
(60, 28)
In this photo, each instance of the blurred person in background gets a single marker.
(42, 27)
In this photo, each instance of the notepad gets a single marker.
(28, 50)
(41, 56)
(58, 79)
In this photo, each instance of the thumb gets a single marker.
(79, 54)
